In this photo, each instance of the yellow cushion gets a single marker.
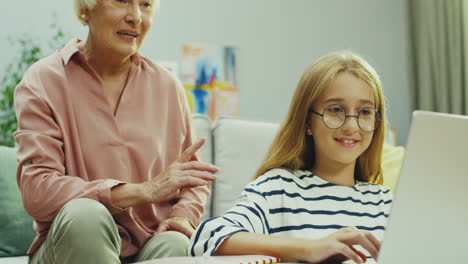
(392, 158)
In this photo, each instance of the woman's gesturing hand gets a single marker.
(182, 173)
(176, 223)
(340, 246)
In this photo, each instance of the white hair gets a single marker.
(79, 5)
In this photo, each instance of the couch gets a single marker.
(236, 146)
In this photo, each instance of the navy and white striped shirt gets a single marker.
(297, 204)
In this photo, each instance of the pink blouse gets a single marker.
(71, 145)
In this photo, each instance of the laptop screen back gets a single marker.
(429, 218)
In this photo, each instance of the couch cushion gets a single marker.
(202, 128)
(14, 260)
(392, 159)
(16, 233)
(239, 148)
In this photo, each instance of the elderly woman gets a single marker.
(108, 169)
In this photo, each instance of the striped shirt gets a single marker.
(298, 204)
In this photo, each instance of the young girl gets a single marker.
(316, 197)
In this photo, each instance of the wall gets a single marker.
(277, 39)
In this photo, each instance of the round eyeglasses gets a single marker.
(334, 117)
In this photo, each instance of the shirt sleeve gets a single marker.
(192, 200)
(387, 199)
(249, 214)
(41, 173)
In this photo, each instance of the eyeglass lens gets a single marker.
(334, 117)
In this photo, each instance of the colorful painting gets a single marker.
(209, 75)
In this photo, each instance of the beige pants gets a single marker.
(85, 232)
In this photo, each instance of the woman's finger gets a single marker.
(190, 151)
(190, 182)
(348, 229)
(359, 237)
(361, 254)
(351, 253)
(199, 174)
(163, 226)
(198, 165)
(373, 240)
(179, 227)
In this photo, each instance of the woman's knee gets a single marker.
(84, 216)
(85, 209)
(84, 229)
(174, 243)
(174, 238)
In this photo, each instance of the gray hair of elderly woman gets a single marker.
(79, 5)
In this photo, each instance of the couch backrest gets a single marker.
(202, 128)
(16, 233)
(239, 148)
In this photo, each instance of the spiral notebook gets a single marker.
(245, 259)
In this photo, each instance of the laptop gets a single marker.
(428, 223)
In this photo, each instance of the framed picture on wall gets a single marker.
(209, 75)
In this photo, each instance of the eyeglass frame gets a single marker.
(377, 117)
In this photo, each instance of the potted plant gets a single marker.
(29, 51)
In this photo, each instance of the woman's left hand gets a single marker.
(176, 223)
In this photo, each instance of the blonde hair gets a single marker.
(292, 149)
(79, 5)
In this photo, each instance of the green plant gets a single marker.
(30, 50)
